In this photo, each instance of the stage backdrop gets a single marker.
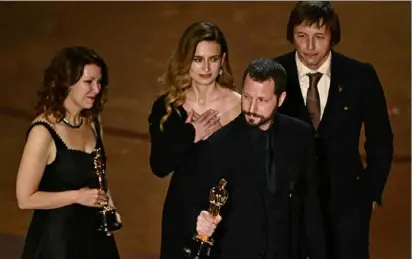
(136, 39)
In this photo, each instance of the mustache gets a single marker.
(254, 114)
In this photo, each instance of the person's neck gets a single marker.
(72, 113)
(316, 67)
(265, 127)
(202, 94)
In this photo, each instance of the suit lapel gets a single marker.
(294, 99)
(278, 153)
(286, 173)
(294, 85)
(278, 157)
(333, 88)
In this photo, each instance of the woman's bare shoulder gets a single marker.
(51, 120)
(235, 96)
(232, 97)
(231, 106)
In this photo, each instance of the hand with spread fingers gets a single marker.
(205, 124)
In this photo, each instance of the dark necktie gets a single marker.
(312, 98)
(270, 166)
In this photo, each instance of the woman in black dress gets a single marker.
(200, 98)
(56, 177)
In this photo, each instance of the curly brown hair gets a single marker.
(177, 78)
(65, 70)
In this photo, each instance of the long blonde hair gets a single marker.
(177, 79)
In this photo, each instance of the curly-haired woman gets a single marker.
(56, 177)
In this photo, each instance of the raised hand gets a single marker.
(205, 124)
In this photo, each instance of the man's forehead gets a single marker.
(252, 86)
(318, 24)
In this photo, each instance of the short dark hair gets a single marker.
(319, 12)
(264, 69)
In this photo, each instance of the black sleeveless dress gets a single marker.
(68, 232)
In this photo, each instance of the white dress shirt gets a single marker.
(323, 84)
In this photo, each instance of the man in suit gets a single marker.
(336, 95)
(268, 160)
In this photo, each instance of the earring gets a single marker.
(220, 71)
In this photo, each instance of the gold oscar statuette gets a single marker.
(106, 216)
(202, 245)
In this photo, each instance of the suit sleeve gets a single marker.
(313, 220)
(379, 137)
(169, 146)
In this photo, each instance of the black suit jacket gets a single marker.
(231, 153)
(355, 97)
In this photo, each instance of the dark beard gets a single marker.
(263, 119)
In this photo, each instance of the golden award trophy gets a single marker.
(201, 246)
(106, 216)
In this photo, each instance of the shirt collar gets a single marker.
(304, 70)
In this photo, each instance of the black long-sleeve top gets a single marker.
(173, 150)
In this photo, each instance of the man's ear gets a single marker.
(282, 98)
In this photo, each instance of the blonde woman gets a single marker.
(200, 98)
